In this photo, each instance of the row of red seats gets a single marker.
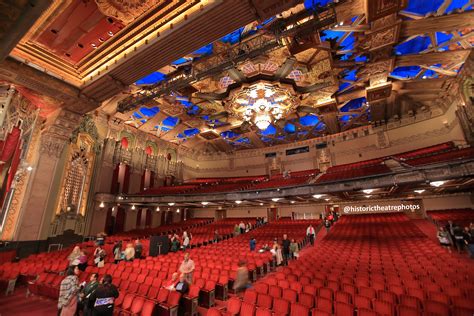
(461, 217)
(354, 172)
(450, 156)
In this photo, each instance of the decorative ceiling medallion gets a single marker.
(209, 135)
(262, 103)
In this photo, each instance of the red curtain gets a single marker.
(139, 218)
(109, 222)
(152, 179)
(126, 180)
(142, 181)
(148, 218)
(14, 166)
(119, 220)
(114, 188)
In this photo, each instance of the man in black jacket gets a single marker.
(285, 244)
(104, 296)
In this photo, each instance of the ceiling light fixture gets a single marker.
(171, 203)
(368, 191)
(204, 203)
(437, 184)
(177, 211)
(101, 205)
(326, 199)
(261, 204)
(368, 195)
(133, 207)
(275, 199)
(262, 104)
(292, 202)
(419, 191)
(157, 208)
(318, 196)
(29, 168)
(238, 202)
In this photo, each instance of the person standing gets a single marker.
(129, 252)
(117, 252)
(103, 297)
(253, 244)
(242, 227)
(187, 268)
(242, 277)
(294, 249)
(310, 233)
(87, 292)
(138, 249)
(99, 256)
(469, 241)
(185, 240)
(68, 289)
(285, 244)
(236, 230)
(327, 224)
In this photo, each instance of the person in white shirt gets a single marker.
(310, 233)
(242, 227)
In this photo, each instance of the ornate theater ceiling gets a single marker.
(318, 69)
(224, 75)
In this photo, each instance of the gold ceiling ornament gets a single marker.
(262, 103)
(125, 11)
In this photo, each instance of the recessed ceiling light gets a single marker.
(204, 203)
(102, 205)
(419, 191)
(326, 199)
(318, 196)
(157, 208)
(368, 195)
(133, 207)
(238, 202)
(292, 202)
(368, 191)
(177, 211)
(170, 203)
(437, 183)
(261, 204)
(275, 199)
(29, 168)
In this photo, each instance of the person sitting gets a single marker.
(187, 268)
(242, 277)
(182, 286)
(171, 283)
(68, 289)
(82, 262)
(129, 252)
(138, 249)
(86, 293)
(74, 256)
(104, 296)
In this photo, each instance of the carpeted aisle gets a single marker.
(16, 305)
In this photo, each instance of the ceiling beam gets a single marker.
(445, 23)
(433, 58)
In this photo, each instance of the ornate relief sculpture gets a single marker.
(125, 10)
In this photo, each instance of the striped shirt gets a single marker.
(68, 288)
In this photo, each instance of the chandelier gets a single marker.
(262, 104)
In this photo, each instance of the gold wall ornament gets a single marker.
(76, 179)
